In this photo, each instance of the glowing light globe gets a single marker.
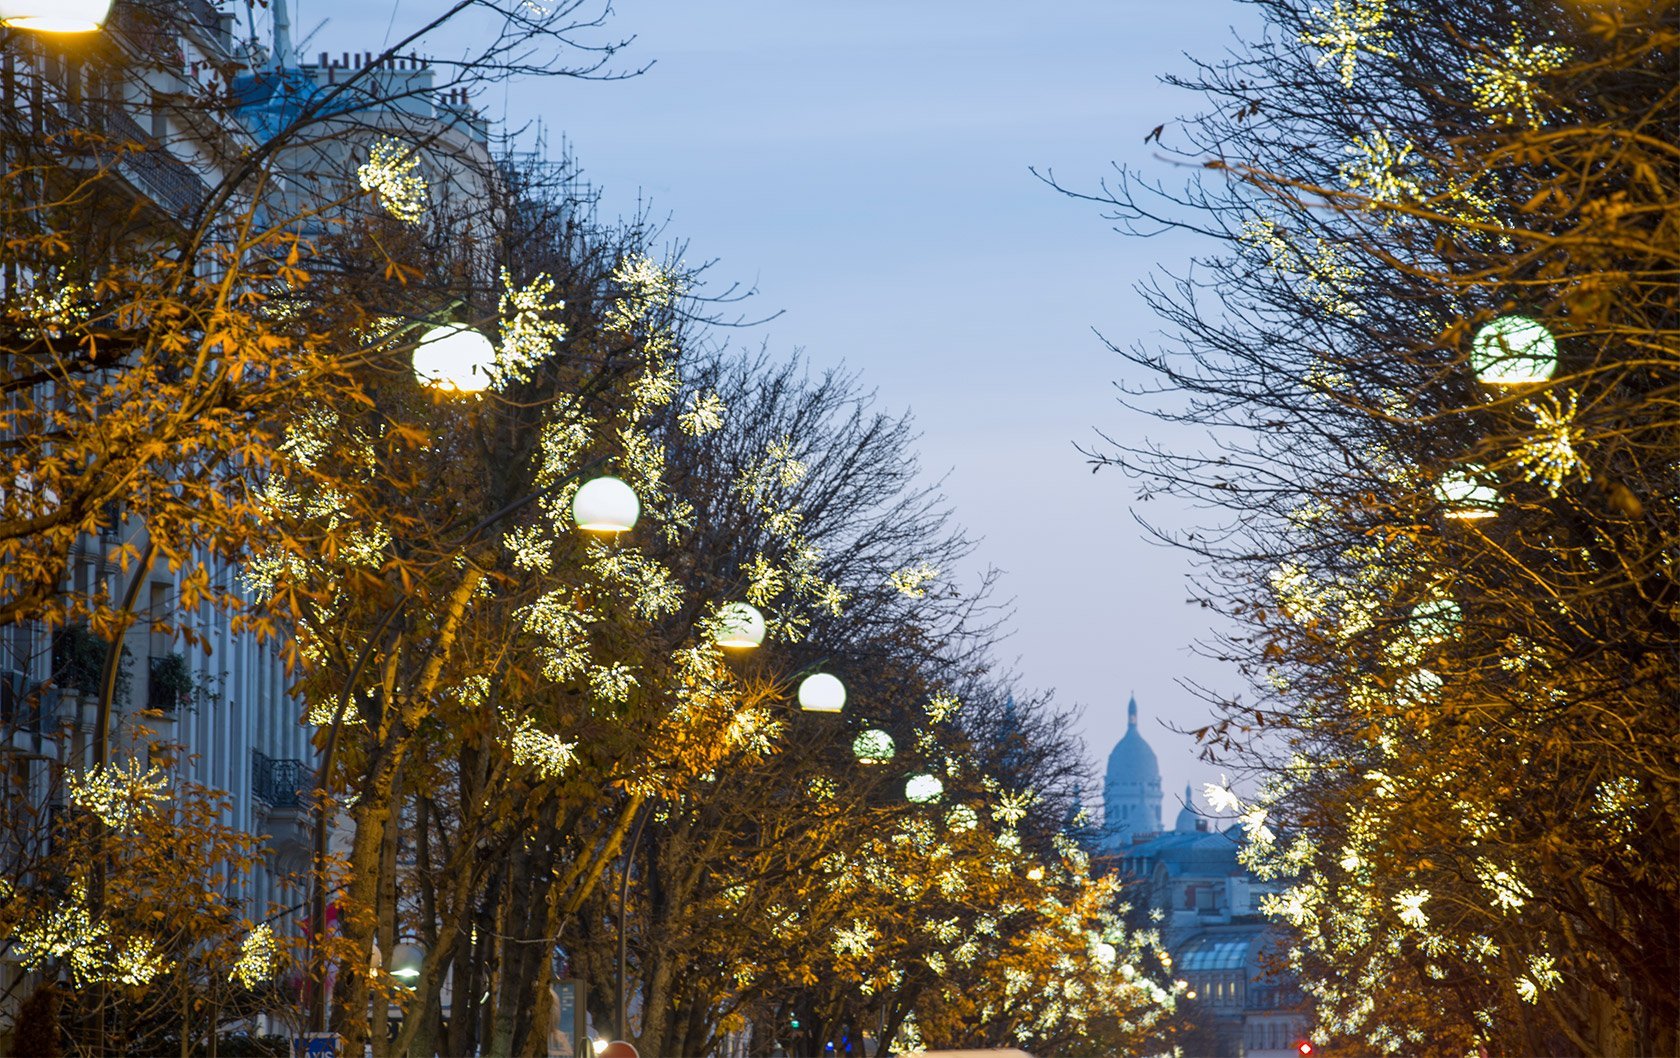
(821, 693)
(1436, 619)
(873, 746)
(1106, 954)
(55, 16)
(405, 963)
(962, 819)
(454, 358)
(740, 625)
(1513, 351)
(1464, 497)
(606, 505)
(1419, 687)
(923, 789)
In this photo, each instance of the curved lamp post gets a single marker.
(454, 358)
(1513, 351)
(55, 16)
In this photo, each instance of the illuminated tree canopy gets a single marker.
(1434, 349)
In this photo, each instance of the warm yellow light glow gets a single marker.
(873, 746)
(1513, 351)
(55, 16)
(740, 625)
(454, 358)
(924, 788)
(822, 693)
(606, 505)
(1035, 874)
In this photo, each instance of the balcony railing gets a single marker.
(161, 176)
(280, 783)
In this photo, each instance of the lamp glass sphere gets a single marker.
(55, 16)
(923, 789)
(1436, 619)
(740, 625)
(873, 746)
(405, 962)
(606, 505)
(1464, 497)
(822, 693)
(454, 358)
(1513, 351)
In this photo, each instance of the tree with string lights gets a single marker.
(1436, 354)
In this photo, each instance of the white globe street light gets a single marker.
(873, 746)
(821, 693)
(55, 16)
(924, 789)
(1464, 497)
(1436, 620)
(606, 505)
(454, 358)
(405, 963)
(740, 625)
(1513, 351)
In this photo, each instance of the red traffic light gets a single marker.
(1304, 1048)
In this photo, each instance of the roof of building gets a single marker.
(1132, 760)
(1212, 852)
(1215, 951)
(1188, 820)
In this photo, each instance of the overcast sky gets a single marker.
(864, 165)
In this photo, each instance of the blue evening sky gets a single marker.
(864, 165)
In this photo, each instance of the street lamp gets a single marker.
(406, 960)
(1464, 497)
(55, 16)
(873, 746)
(740, 626)
(454, 358)
(1513, 351)
(606, 505)
(923, 789)
(822, 693)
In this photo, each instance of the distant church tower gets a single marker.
(1132, 791)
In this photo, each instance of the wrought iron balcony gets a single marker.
(280, 783)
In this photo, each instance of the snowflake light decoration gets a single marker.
(116, 796)
(1379, 169)
(1550, 456)
(912, 580)
(259, 957)
(390, 173)
(1504, 85)
(1348, 29)
(703, 414)
(548, 754)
